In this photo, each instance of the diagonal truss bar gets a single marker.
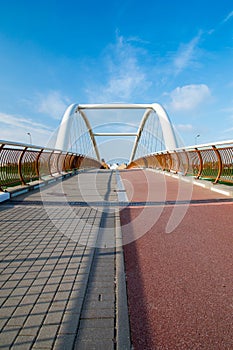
(66, 125)
(166, 126)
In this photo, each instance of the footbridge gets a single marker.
(74, 146)
(94, 258)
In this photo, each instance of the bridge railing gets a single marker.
(21, 163)
(214, 162)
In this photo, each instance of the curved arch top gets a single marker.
(166, 125)
(62, 141)
(168, 131)
(65, 126)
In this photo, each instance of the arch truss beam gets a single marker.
(166, 126)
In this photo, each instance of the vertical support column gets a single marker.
(64, 162)
(170, 162)
(20, 166)
(71, 161)
(49, 165)
(37, 162)
(1, 148)
(219, 164)
(58, 157)
(178, 162)
(200, 163)
(187, 158)
(163, 161)
(78, 162)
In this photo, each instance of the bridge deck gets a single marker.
(180, 284)
(59, 267)
(62, 284)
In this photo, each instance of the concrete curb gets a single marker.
(4, 196)
(12, 192)
(122, 316)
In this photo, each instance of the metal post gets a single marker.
(49, 165)
(178, 162)
(20, 166)
(219, 164)
(37, 163)
(187, 158)
(200, 163)
(1, 147)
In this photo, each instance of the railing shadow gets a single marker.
(141, 336)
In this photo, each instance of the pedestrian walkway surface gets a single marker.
(179, 264)
(60, 264)
(63, 280)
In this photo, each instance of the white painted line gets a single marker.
(207, 185)
(225, 193)
(122, 195)
(185, 180)
(199, 184)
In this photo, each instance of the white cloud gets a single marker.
(23, 123)
(125, 75)
(40, 133)
(189, 97)
(228, 130)
(228, 17)
(52, 104)
(185, 127)
(227, 110)
(218, 26)
(186, 54)
(121, 87)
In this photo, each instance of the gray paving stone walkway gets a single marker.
(59, 267)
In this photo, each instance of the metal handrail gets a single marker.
(208, 161)
(21, 164)
(19, 144)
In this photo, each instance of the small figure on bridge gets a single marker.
(103, 164)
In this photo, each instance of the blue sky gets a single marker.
(177, 53)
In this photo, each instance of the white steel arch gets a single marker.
(62, 141)
(166, 126)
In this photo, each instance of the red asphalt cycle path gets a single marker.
(179, 284)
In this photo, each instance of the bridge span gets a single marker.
(117, 260)
(95, 258)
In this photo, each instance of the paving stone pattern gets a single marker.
(57, 288)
